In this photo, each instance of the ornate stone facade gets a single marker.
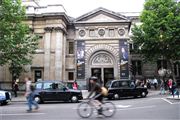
(100, 31)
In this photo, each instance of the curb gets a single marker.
(85, 93)
(174, 98)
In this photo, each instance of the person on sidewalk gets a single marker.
(174, 89)
(162, 88)
(30, 95)
(15, 88)
(75, 85)
(155, 83)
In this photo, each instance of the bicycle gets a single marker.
(85, 109)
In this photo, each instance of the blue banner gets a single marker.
(80, 55)
(123, 48)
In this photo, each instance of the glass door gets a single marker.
(108, 74)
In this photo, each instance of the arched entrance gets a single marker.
(103, 65)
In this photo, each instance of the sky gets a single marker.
(76, 8)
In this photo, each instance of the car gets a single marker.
(5, 97)
(124, 88)
(52, 90)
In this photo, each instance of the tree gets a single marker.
(159, 34)
(17, 42)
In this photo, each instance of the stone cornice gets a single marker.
(48, 29)
(56, 29)
(59, 29)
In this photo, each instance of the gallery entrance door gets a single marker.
(103, 74)
(108, 74)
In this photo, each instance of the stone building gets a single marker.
(94, 44)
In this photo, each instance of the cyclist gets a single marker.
(96, 87)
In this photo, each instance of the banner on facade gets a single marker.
(123, 48)
(80, 55)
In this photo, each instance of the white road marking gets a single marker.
(117, 106)
(170, 101)
(22, 114)
(138, 108)
(167, 100)
(123, 106)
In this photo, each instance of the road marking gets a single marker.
(167, 101)
(170, 101)
(22, 114)
(138, 108)
(123, 106)
(117, 106)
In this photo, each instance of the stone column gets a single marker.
(47, 46)
(59, 54)
(64, 59)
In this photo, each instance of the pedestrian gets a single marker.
(148, 84)
(173, 88)
(75, 85)
(170, 83)
(155, 83)
(30, 95)
(15, 88)
(162, 88)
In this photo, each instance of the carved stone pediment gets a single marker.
(102, 59)
(101, 15)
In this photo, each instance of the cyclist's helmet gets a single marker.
(94, 78)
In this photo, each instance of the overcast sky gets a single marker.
(76, 8)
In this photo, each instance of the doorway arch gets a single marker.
(103, 65)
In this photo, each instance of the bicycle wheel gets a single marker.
(108, 109)
(84, 110)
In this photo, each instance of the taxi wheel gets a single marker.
(38, 99)
(143, 94)
(116, 96)
(74, 99)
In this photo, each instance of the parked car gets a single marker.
(5, 97)
(124, 88)
(50, 90)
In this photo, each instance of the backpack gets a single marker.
(104, 91)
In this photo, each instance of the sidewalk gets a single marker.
(21, 97)
(174, 98)
(166, 95)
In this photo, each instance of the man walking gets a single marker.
(30, 95)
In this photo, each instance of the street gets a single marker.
(149, 108)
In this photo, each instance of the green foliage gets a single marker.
(159, 34)
(17, 43)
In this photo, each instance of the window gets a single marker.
(37, 75)
(133, 48)
(39, 86)
(71, 47)
(161, 64)
(91, 33)
(124, 84)
(59, 86)
(115, 85)
(70, 75)
(111, 32)
(137, 67)
(48, 86)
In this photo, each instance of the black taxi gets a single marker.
(124, 88)
(51, 90)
